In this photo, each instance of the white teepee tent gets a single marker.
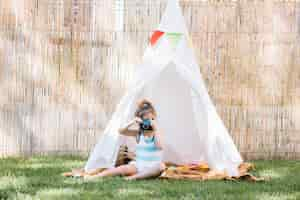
(169, 76)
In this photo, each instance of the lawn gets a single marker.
(39, 178)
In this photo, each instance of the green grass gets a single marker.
(39, 178)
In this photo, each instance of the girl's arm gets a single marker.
(157, 138)
(126, 131)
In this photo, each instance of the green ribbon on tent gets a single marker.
(174, 38)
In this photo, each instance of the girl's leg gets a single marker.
(124, 170)
(151, 172)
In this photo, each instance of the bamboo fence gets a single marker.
(64, 65)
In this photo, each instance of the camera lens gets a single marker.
(145, 126)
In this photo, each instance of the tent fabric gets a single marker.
(172, 20)
(187, 118)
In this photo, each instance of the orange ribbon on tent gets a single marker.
(155, 37)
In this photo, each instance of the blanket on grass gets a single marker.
(199, 171)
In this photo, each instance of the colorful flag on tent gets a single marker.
(155, 37)
(174, 38)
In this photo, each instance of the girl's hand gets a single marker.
(154, 125)
(138, 120)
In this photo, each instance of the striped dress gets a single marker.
(147, 154)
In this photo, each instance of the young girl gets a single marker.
(148, 153)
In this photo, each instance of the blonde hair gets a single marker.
(143, 106)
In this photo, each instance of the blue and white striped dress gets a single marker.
(147, 154)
